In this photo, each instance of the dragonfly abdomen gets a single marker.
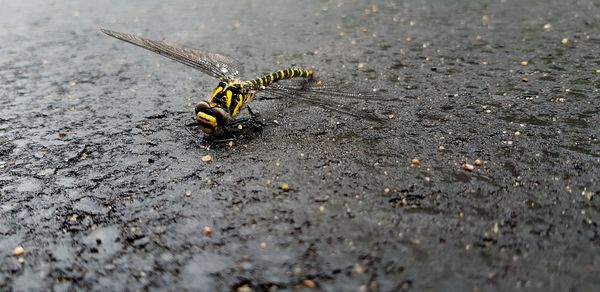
(260, 82)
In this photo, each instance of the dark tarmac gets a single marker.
(105, 190)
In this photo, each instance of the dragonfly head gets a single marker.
(211, 118)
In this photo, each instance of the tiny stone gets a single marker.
(310, 284)
(208, 230)
(18, 251)
(358, 269)
(478, 162)
(598, 71)
(524, 63)
(322, 209)
(468, 167)
(244, 288)
(188, 194)
(415, 162)
(263, 244)
(485, 20)
(547, 26)
(206, 158)
(564, 41)
(360, 65)
(285, 187)
(386, 191)
(525, 79)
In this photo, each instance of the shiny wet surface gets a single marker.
(95, 163)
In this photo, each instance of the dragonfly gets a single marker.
(217, 116)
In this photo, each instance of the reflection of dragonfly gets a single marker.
(217, 115)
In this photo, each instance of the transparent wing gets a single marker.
(213, 64)
(330, 95)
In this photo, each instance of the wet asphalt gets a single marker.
(484, 176)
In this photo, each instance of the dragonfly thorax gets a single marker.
(231, 96)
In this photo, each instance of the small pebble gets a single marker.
(84, 156)
(478, 162)
(517, 133)
(525, 79)
(415, 162)
(468, 167)
(188, 194)
(564, 41)
(524, 63)
(391, 116)
(244, 288)
(263, 244)
(427, 179)
(206, 158)
(18, 251)
(598, 71)
(285, 187)
(208, 230)
(386, 191)
(360, 65)
(358, 269)
(310, 284)
(485, 20)
(547, 26)
(230, 144)
(62, 133)
(72, 83)
(322, 209)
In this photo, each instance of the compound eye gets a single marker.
(220, 114)
(202, 106)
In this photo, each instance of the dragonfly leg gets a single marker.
(250, 111)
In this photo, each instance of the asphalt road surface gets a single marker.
(484, 177)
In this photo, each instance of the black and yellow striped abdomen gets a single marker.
(266, 80)
(233, 96)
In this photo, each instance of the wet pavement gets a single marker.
(484, 177)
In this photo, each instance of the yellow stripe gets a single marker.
(271, 81)
(217, 90)
(238, 105)
(292, 73)
(301, 73)
(261, 81)
(229, 95)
